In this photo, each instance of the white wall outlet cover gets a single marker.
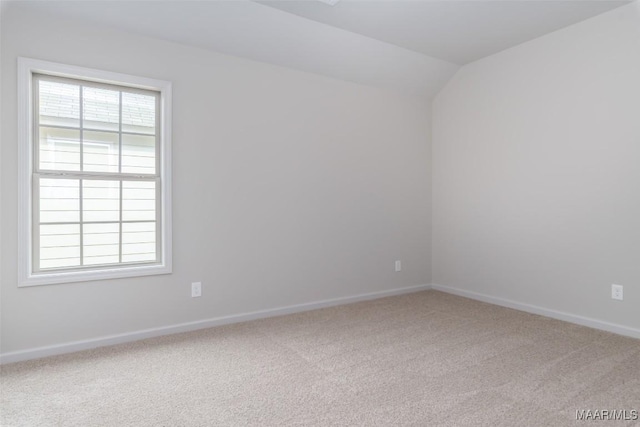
(196, 289)
(398, 265)
(616, 292)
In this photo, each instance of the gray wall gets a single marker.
(288, 188)
(292, 188)
(536, 177)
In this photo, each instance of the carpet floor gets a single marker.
(422, 359)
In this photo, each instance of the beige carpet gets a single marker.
(424, 359)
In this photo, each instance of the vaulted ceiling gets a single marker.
(412, 46)
(456, 31)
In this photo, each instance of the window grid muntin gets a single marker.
(89, 175)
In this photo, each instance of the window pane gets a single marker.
(101, 243)
(59, 149)
(138, 113)
(138, 241)
(87, 138)
(100, 200)
(100, 151)
(138, 154)
(59, 104)
(59, 246)
(59, 200)
(138, 200)
(100, 108)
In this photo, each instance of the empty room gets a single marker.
(319, 213)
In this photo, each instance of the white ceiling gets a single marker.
(411, 46)
(251, 30)
(456, 31)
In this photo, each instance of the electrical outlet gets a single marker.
(196, 289)
(398, 266)
(616, 292)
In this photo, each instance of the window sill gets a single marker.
(53, 278)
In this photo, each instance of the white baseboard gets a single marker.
(567, 317)
(70, 347)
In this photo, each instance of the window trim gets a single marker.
(26, 68)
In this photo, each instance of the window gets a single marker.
(95, 159)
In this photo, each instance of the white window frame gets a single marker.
(26, 276)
